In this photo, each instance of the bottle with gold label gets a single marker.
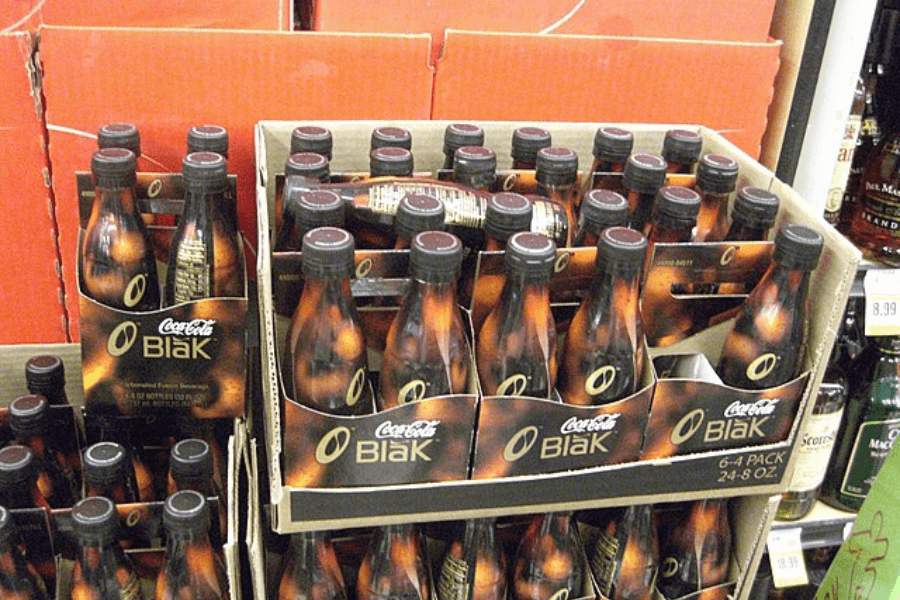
(716, 179)
(109, 472)
(304, 211)
(192, 568)
(394, 567)
(458, 135)
(102, 570)
(474, 567)
(599, 209)
(767, 340)
(681, 149)
(427, 353)
(312, 138)
(643, 176)
(548, 561)
(117, 266)
(695, 547)
(556, 173)
(19, 580)
(417, 213)
(625, 557)
(875, 227)
(526, 141)
(326, 345)
(204, 259)
(516, 352)
(602, 356)
(311, 569)
(612, 146)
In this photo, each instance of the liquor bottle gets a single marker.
(844, 163)
(526, 141)
(681, 149)
(205, 257)
(867, 140)
(767, 340)
(506, 214)
(326, 345)
(390, 137)
(390, 161)
(417, 213)
(427, 353)
(29, 419)
(548, 561)
(602, 357)
(305, 211)
(556, 172)
(19, 580)
(475, 167)
(599, 209)
(45, 374)
(675, 211)
(643, 176)
(311, 570)
(109, 472)
(312, 138)
(117, 263)
(394, 566)
(875, 227)
(516, 352)
(474, 566)
(869, 426)
(816, 440)
(102, 570)
(625, 558)
(19, 479)
(208, 138)
(191, 568)
(752, 215)
(716, 180)
(612, 146)
(458, 135)
(695, 549)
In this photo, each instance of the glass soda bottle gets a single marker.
(506, 214)
(548, 561)
(716, 180)
(19, 479)
(208, 138)
(612, 146)
(695, 548)
(681, 149)
(394, 567)
(475, 167)
(599, 209)
(312, 138)
(45, 374)
(311, 569)
(556, 172)
(109, 472)
(675, 213)
(458, 135)
(19, 580)
(474, 567)
(417, 213)
(625, 557)
(305, 211)
(752, 215)
(643, 176)
(390, 161)
(526, 141)
(390, 137)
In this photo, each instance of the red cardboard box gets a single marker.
(20, 15)
(31, 290)
(165, 80)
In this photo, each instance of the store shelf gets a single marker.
(824, 526)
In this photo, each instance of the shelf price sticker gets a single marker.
(882, 289)
(786, 558)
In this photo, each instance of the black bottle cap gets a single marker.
(391, 160)
(191, 462)
(530, 254)
(120, 135)
(95, 521)
(644, 173)
(16, 465)
(417, 213)
(307, 164)
(507, 213)
(311, 138)
(205, 169)
(798, 247)
(328, 252)
(612, 144)
(318, 208)
(186, 514)
(474, 159)
(601, 209)
(208, 138)
(396, 137)
(44, 371)
(681, 145)
(717, 173)
(28, 415)
(556, 165)
(526, 141)
(114, 167)
(8, 529)
(435, 256)
(458, 135)
(676, 207)
(105, 463)
(621, 247)
(755, 207)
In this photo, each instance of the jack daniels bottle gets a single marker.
(19, 580)
(117, 267)
(695, 547)
(681, 149)
(394, 567)
(548, 561)
(311, 570)
(474, 567)
(625, 557)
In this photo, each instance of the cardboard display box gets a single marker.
(741, 471)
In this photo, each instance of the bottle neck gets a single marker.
(119, 492)
(193, 564)
(712, 222)
(743, 232)
(613, 296)
(115, 200)
(22, 494)
(586, 238)
(204, 204)
(792, 285)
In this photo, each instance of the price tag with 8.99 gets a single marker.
(882, 287)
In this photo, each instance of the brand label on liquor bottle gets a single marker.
(192, 266)
(873, 443)
(461, 207)
(842, 170)
(453, 584)
(814, 450)
(603, 562)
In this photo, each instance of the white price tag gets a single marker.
(786, 558)
(882, 288)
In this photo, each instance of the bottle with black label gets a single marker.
(458, 135)
(548, 561)
(475, 167)
(507, 213)
(109, 472)
(304, 211)
(625, 557)
(102, 570)
(312, 138)
(19, 580)
(474, 567)
(716, 180)
(205, 258)
(870, 425)
(390, 161)
(45, 374)
(767, 340)
(612, 146)
(644, 175)
(599, 209)
(427, 353)
(19, 479)
(311, 569)
(556, 173)
(681, 150)
(117, 266)
(526, 141)
(516, 351)
(417, 213)
(326, 362)
(695, 547)
(191, 568)
(394, 567)
(602, 357)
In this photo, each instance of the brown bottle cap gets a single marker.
(612, 144)
(28, 415)
(311, 138)
(555, 165)
(208, 138)
(186, 514)
(417, 213)
(396, 137)
(457, 135)
(530, 254)
(16, 465)
(755, 207)
(526, 141)
(206, 170)
(717, 173)
(681, 145)
(621, 247)
(798, 247)
(105, 463)
(435, 256)
(601, 209)
(95, 521)
(328, 252)
(44, 371)
(191, 462)
(318, 208)
(307, 164)
(120, 135)
(507, 213)
(390, 160)
(644, 173)
(114, 167)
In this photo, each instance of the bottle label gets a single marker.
(872, 445)
(604, 563)
(550, 219)
(192, 266)
(842, 170)
(130, 589)
(814, 451)
(453, 584)
(461, 207)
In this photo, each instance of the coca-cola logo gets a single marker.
(195, 328)
(407, 431)
(762, 407)
(598, 423)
